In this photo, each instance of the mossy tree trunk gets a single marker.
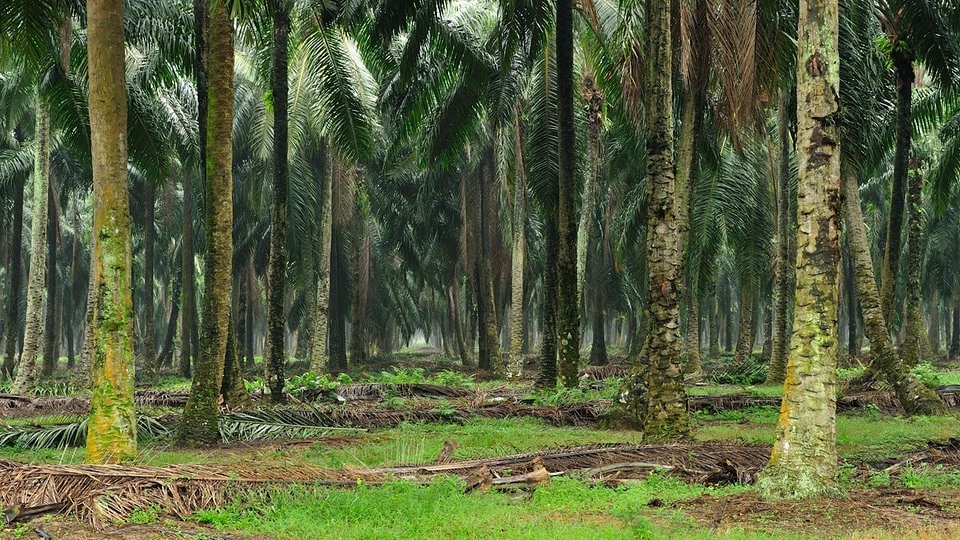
(27, 370)
(568, 302)
(80, 380)
(662, 411)
(68, 297)
(112, 427)
(933, 334)
(276, 316)
(912, 394)
(547, 378)
(804, 458)
(489, 358)
(199, 423)
(954, 351)
(11, 331)
(692, 341)
(188, 295)
(915, 346)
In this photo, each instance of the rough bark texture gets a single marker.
(593, 98)
(518, 222)
(112, 428)
(199, 423)
(11, 331)
(903, 73)
(165, 358)
(804, 458)
(149, 331)
(915, 346)
(27, 368)
(337, 337)
(232, 389)
(50, 351)
(850, 291)
(276, 316)
(568, 302)
(547, 378)
(785, 256)
(318, 347)
(933, 334)
(912, 394)
(68, 296)
(662, 411)
(359, 342)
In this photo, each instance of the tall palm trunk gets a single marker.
(16, 267)
(112, 427)
(785, 256)
(188, 303)
(453, 303)
(489, 343)
(149, 329)
(804, 458)
(594, 100)
(745, 336)
(338, 301)
(713, 332)
(915, 344)
(359, 342)
(547, 378)
(248, 330)
(276, 320)
(903, 73)
(68, 296)
(568, 302)
(663, 410)
(692, 342)
(27, 371)
(518, 222)
(50, 346)
(318, 347)
(913, 395)
(199, 423)
(850, 290)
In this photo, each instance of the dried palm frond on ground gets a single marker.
(101, 494)
(375, 392)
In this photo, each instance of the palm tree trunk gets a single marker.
(663, 411)
(338, 302)
(453, 303)
(318, 347)
(518, 252)
(50, 346)
(16, 269)
(112, 427)
(568, 302)
(714, 317)
(489, 358)
(81, 374)
(248, 330)
(594, 100)
(188, 293)
(165, 357)
(804, 458)
(903, 73)
(934, 334)
(359, 355)
(68, 296)
(235, 395)
(149, 330)
(276, 320)
(914, 396)
(745, 335)
(547, 378)
(785, 256)
(199, 423)
(27, 372)
(850, 290)
(915, 346)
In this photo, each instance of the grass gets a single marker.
(567, 508)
